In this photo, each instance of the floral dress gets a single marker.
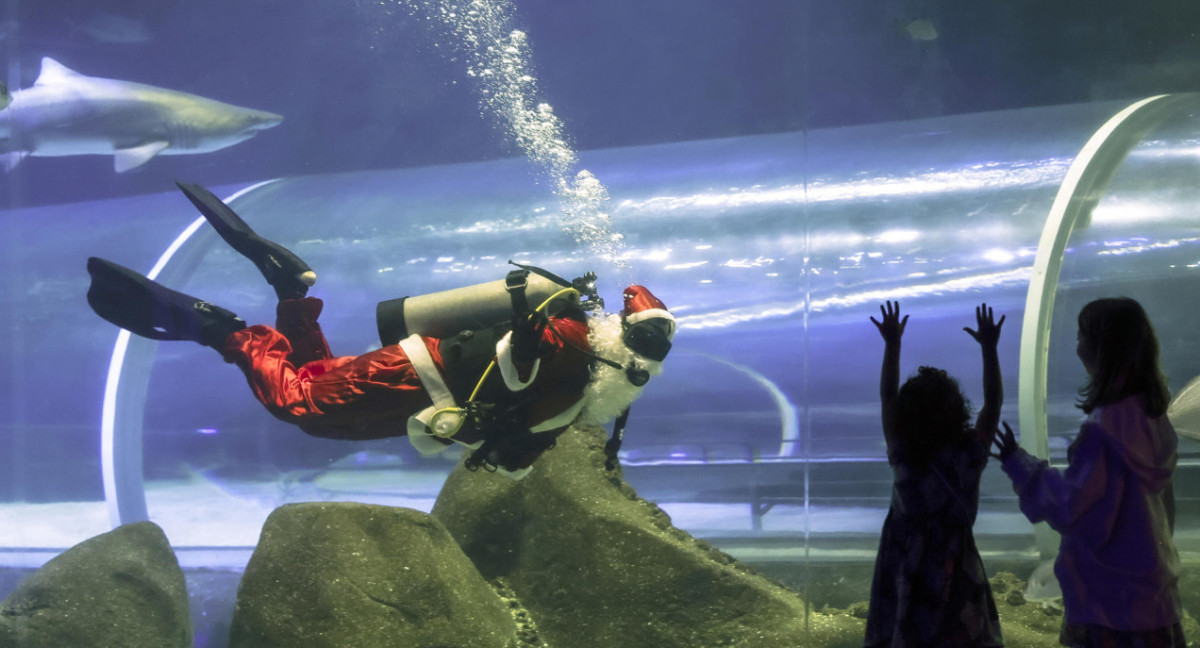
(930, 588)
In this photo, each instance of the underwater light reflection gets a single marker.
(1162, 149)
(1133, 211)
(750, 269)
(897, 236)
(970, 179)
(1009, 279)
(1136, 248)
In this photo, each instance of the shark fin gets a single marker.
(54, 72)
(132, 158)
(10, 160)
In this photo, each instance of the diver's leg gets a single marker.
(261, 352)
(152, 310)
(296, 319)
(286, 272)
(356, 398)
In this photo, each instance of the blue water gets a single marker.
(366, 85)
(722, 229)
(774, 170)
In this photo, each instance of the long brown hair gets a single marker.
(1118, 335)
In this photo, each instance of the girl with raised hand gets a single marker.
(1114, 504)
(930, 588)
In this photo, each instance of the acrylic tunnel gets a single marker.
(772, 251)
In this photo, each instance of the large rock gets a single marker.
(1036, 624)
(343, 574)
(122, 589)
(597, 566)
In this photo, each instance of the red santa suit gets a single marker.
(393, 391)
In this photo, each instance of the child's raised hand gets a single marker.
(892, 327)
(988, 332)
(1005, 443)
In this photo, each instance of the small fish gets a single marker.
(111, 28)
(1184, 410)
(5, 97)
(920, 29)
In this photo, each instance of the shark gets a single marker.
(68, 113)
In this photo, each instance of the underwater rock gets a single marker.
(344, 574)
(1028, 623)
(595, 565)
(1025, 623)
(122, 589)
(1031, 623)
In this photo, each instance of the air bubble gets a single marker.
(508, 90)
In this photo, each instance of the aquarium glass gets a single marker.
(773, 170)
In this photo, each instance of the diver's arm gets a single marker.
(296, 319)
(518, 353)
(519, 366)
(518, 370)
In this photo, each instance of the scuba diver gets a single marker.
(505, 386)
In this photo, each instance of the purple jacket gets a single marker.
(1114, 506)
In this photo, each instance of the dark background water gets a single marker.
(363, 84)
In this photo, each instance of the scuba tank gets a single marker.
(471, 308)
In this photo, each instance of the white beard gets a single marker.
(609, 393)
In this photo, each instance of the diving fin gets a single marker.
(287, 273)
(151, 310)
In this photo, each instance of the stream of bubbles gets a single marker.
(498, 58)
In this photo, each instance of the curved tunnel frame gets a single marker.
(1079, 193)
(127, 381)
(126, 386)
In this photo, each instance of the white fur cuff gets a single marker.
(515, 475)
(508, 368)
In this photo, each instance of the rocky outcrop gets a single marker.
(1036, 624)
(121, 589)
(343, 574)
(597, 566)
(568, 558)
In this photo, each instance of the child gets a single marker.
(1114, 503)
(930, 589)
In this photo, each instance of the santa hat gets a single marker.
(641, 306)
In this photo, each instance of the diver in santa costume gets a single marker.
(505, 384)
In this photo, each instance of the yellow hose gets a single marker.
(541, 307)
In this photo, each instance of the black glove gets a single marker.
(527, 338)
